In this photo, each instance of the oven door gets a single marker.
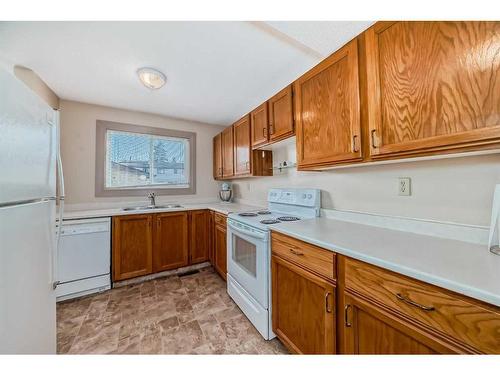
(248, 259)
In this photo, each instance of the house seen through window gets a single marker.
(135, 160)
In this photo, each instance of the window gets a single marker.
(135, 160)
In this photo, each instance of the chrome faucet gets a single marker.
(152, 199)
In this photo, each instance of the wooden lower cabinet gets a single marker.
(170, 248)
(132, 246)
(371, 330)
(199, 241)
(303, 309)
(220, 249)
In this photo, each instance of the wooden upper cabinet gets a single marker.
(170, 241)
(199, 244)
(218, 156)
(432, 86)
(281, 115)
(227, 152)
(242, 147)
(327, 111)
(259, 123)
(132, 246)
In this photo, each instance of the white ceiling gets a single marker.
(216, 71)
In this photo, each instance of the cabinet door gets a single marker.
(132, 246)
(218, 156)
(303, 309)
(220, 250)
(199, 241)
(171, 241)
(227, 152)
(259, 122)
(432, 86)
(327, 112)
(281, 115)
(242, 147)
(369, 330)
(211, 229)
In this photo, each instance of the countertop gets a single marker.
(224, 208)
(462, 267)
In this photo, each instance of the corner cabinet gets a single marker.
(432, 86)
(132, 246)
(217, 155)
(327, 111)
(199, 241)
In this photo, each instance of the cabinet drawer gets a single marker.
(465, 321)
(220, 219)
(314, 258)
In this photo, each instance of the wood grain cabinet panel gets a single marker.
(170, 241)
(259, 125)
(220, 245)
(472, 325)
(369, 330)
(227, 145)
(303, 309)
(242, 147)
(432, 86)
(132, 246)
(281, 115)
(313, 258)
(199, 243)
(217, 144)
(327, 111)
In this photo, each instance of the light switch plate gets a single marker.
(404, 186)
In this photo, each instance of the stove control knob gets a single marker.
(304, 196)
(309, 196)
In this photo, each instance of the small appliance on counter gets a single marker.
(225, 193)
(494, 239)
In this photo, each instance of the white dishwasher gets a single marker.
(83, 259)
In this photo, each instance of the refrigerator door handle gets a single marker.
(60, 202)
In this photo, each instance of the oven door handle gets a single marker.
(260, 236)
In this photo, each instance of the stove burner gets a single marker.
(247, 214)
(264, 212)
(269, 221)
(288, 218)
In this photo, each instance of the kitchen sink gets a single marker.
(140, 208)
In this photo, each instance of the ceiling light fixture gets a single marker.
(151, 78)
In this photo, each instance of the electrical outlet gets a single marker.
(404, 186)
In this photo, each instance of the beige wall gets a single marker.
(78, 131)
(34, 82)
(457, 190)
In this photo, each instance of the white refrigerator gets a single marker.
(29, 155)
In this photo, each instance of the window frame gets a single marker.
(100, 161)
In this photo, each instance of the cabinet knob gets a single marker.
(346, 316)
(327, 303)
(374, 138)
(354, 143)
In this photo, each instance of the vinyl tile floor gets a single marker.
(191, 314)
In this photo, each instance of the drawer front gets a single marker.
(314, 258)
(475, 324)
(220, 218)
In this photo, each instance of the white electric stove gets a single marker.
(249, 250)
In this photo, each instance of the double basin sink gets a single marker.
(152, 207)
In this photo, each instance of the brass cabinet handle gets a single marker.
(296, 252)
(271, 129)
(374, 143)
(264, 132)
(354, 143)
(413, 303)
(346, 316)
(327, 304)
